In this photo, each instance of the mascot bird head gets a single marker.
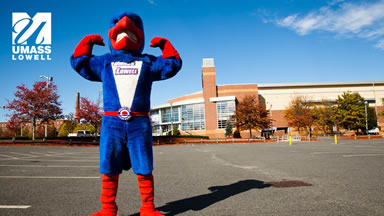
(126, 34)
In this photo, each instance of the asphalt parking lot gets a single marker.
(316, 178)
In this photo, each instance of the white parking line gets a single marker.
(49, 177)
(41, 154)
(28, 155)
(30, 159)
(14, 206)
(73, 156)
(315, 153)
(363, 155)
(8, 157)
(35, 159)
(49, 166)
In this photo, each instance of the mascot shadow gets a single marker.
(217, 194)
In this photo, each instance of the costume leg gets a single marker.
(109, 186)
(147, 191)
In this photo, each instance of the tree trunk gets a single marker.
(95, 131)
(310, 132)
(250, 132)
(33, 128)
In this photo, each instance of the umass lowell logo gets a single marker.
(31, 37)
(122, 68)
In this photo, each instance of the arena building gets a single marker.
(206, 112)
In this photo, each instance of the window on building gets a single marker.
(155, 117)
(166, 115)
(225, 109)
(156, 130)
(193, 117)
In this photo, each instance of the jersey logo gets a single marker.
(126, 77)
(122, 68)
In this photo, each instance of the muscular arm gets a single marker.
(167, 65)
(165, 68)
(88, 67)
(82, 60)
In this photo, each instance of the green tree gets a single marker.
(228, 129)
(372, 118)
(67, 127)
(350, 112)
(176, 131)
(382, 112)
(88, 127)
(250, 115)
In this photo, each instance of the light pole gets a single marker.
(171, 119)
(366, 117)
(270, 111)
(49, 79)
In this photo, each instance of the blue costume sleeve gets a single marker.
(164, 68)
(89, 67)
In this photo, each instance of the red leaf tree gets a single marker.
(90, 112)
(41, 103)
(13, 126)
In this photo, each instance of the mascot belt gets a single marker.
(126, 114)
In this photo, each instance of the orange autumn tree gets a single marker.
(299, 114)
(250, 115)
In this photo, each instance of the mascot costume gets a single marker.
(126, 132)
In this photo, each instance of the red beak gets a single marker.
(125, 35)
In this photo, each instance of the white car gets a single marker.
(80, 133)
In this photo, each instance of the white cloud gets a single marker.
(380, 44)
(152, 2)
(363, 20)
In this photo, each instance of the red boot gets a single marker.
(146, 188)
(109, 185)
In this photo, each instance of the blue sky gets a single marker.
(256, 41)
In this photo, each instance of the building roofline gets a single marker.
(238, 84)
(190, 94)
(179, 103)
(268, 85)
(275, 85)
(336, 83)
(198, 92)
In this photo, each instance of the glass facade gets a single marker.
(161, 120)
(155, 117)
(156, 130)
(225, 109)
(166, 115)
(192, 117)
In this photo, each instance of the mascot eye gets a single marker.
(115, 21)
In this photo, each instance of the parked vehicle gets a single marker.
(374, 131)
(81, 133)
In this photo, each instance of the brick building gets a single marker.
(27, 127)
(205, 112)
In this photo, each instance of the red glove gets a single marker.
(84, 48)
(165, 46)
